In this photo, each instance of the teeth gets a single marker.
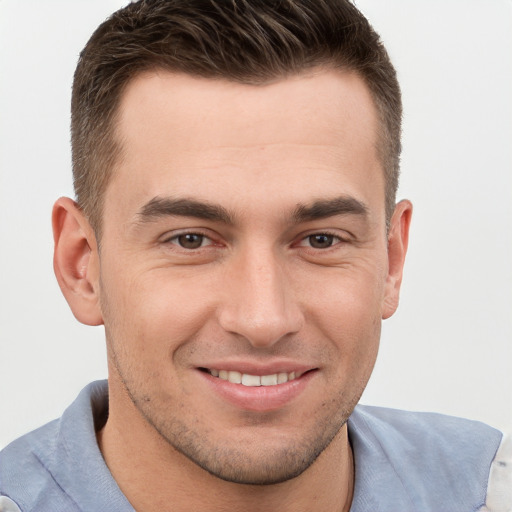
(235, 377)
(281, 378)
(269, 380)
(253, 380)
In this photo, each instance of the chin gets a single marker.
(270, 468)
(252, 460)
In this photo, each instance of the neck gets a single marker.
(154, 476)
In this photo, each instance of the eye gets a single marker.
(320, 241)
(190, 240)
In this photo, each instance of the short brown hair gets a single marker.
(247, 41)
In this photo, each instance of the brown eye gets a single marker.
(321, 241)
(190, 240)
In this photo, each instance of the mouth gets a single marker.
(246, 379)
(258, 390)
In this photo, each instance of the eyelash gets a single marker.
(336, 239)
(174, 240)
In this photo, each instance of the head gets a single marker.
(240, 161)
(249, 42)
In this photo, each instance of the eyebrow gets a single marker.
(323, 208)
(159, 207)
(164, 207)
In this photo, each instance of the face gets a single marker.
(244, 266)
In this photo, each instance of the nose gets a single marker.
(260, 304)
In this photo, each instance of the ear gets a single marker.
(76, 261)
(398, 239)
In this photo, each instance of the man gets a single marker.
(236, 232)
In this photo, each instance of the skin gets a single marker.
(282, 191)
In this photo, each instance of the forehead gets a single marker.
(302, 135)
(182, 103)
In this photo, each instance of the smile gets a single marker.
(246, 379)
(258, 393)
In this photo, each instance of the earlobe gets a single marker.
(76, 261)
(398, 239)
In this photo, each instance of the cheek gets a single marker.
(149, 316)
(349, 298)
(347, 309)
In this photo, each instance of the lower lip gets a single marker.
(259, 398)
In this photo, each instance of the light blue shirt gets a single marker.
(404, 462)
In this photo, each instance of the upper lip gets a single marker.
(254, 368)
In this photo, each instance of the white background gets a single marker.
(449, 347)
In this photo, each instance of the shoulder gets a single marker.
(24, 471)
(428, 459)
(48, 469)
(447, 433)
